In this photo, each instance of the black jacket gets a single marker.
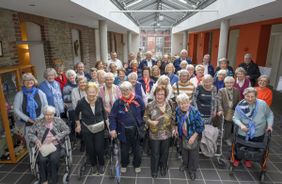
(252, 70)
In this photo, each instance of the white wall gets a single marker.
(104, 8)
(225, 9)
(176, 43)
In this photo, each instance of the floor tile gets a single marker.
(10, 178)
(210, 175)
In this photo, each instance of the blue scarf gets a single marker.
(58, 100)
(181, 119)
(31, 103)
(243, 110)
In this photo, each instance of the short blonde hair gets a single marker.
(170, 64)
(81, 78)
(200, 67)
(229, 79)
(92, 85)
(207, 77)
(182, 98)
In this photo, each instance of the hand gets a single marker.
(269, 129)
(31, 121)
(38, 144)
(154, 123)
(192, 139)
(244, 128)
(219, 113)
(113, 134)
(78, 128)
(125, 66)
(175, 132)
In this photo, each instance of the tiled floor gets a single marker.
(208, 173)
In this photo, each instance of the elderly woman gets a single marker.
(162, 81)
(253, 117)
(169, 70)
(100, 65)
(67, 91)
(190, 126)
(228, 97)
(80, 70)
(90, 110)
(146, 81)
(183, 65)
(137, 86)
(223, 64)
(159, 117)
(79, 92)
(29, 103)
(113, 69)
(191, 70)
(49, 130)
(133, 67)
(219, 79)
(109, 92)
(263, 92)
(204, 99)
(121, 77)
(156, 73)
(125, 118)
(242, 82)
(52, 90)
(93, 73)
(101, 77)
(61, 78)
(199, 75)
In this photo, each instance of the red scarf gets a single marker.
(129, 101)
(147, 84)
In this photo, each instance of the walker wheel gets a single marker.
(66, 178)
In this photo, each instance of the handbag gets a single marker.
(187, 146)
(47, 149)
(97, 127)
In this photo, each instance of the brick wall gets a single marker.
(56, 37)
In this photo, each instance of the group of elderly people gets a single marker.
(177, 103)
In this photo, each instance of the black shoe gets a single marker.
(163, 171)
(101, 169)
(192, 175)
(94, 170)
(154, 175)
(182, 167)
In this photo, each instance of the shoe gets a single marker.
(94, 170)
(192, 175)
(248, 163)
(182, 167)
(137, 169)
(123, 170)
(236, 163)
(154, 175)
(163, 171)
(101, 169)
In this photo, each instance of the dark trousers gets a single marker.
(49, 163)
(159, 154)
(132, 142)
(190, 159)
(94, 147)
(228, 127)
(71, 124)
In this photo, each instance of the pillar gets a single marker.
(223, 38)
(129, 41)
(184, 42)
(103, 40)
(97, 45)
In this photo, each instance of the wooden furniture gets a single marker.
(10, 84)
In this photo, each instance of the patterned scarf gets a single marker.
(147, 84)
(129, 101)
(31, 103)
(110, 96)
(245, 112)
(58, 100)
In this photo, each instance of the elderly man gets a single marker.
(79, 67)
(183, 57)
(114, 60)
(251, 68)
(207, 64)
(165, 61)
(148, 61)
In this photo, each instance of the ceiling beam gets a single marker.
(162, 11)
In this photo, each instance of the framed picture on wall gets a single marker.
(1, 49)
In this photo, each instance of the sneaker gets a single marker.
(236, 163)
(137, 169)
(123, 170)
(248, 163)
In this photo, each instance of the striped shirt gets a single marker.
(187, 88)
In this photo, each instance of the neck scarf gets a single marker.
(31, 103)
(245, 112)
(129, 101)
(147, 84)
(110, 96)
(58, 100)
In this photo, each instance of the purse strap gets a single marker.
(45, 135)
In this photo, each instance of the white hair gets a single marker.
(49, 71)
(190, 66)
(207, 77)
(183, 50)
(183, 72)
(162, 78)
(250, 90)
(229, 79)
(125, 86)
(69, 73)
(109, 75)
(132, 75)
(182, 98)
(49, 108)
(222, 72)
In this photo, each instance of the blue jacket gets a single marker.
(138, 89)
(173, 79)
(210, 70)
(50, 97)
(143, 84)
(120, 118)
(145, 63)
(177, 62)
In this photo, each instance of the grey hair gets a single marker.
(70, 73)
(250, 90)
(248, 55)
(183, 72)
(182, 97)
(223, 59)
(109, 75)
(198, 67)
(265, 77)
(207, 77)
(240, 70)
(183, 50)
(49, 108)
(29, 76)
(229, 79)
(190, 66)
(162, 78)
(183, 63)
(169, 64)
(79, 63)
(126, 86)
(132, 75)
(49, 71)
(222, 72)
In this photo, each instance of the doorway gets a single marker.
(232, 47)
